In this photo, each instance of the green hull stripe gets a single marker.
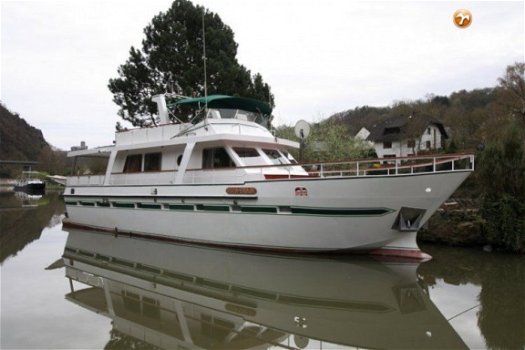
(149, 206)
(213, 207)
(342, 212)
(181, 207)
(244, 209)
(259, 209)
(123, 205)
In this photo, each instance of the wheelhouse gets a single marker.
(232, 139)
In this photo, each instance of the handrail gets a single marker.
(445, 157)
(351, 168)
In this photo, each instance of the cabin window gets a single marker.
(152, 161)
(429, 145)
(274, 155)
(428, 131)
(387, 144)
(216, 158)
(133, 163)
(411, 143)
(288, 156)
(246, 152)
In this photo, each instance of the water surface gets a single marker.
(81, 289)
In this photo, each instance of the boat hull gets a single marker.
(307, 215)
(32, 188)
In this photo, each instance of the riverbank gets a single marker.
(455, 227)
(459, 222)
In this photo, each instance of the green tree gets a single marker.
(512, 92)
(328, 141)
(501, 173)
(171, 60)
(52, 161)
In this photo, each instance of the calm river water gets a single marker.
(82, 289)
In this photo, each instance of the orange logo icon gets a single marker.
(462, 18)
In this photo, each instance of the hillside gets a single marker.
(471, 117)
(18, 140)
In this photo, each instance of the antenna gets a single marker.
(204, 60)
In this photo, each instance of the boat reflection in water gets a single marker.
(28, 200)
(181, 296)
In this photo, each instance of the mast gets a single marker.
(204, 60)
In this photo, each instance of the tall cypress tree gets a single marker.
(171, 60)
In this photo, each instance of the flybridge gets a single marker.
(215, 107)
(225, 102)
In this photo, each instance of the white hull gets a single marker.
(345, 213)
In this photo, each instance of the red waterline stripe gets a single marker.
(413, 254)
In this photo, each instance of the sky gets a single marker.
(319, 57)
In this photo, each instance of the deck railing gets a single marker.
(393, 166)
(351, 168)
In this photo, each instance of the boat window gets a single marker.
(133, 163)
(152, 161)
(246, 152)
(278, 157)
(274, 155)
(227, 113)
(288, 156)
(216, 158)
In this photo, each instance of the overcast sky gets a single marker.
(319, 57)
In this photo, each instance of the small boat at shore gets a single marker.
(29, 183)
(224, 179)
(58, 179)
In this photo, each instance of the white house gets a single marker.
(403, 136)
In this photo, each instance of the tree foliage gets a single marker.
(512, 94)
(52, 161)
(171, 60)
(328, 141)
(501, 172)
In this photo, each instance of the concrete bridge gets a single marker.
(18, 162)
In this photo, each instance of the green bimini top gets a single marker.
(226, 102)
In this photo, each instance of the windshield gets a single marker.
(223, 113)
